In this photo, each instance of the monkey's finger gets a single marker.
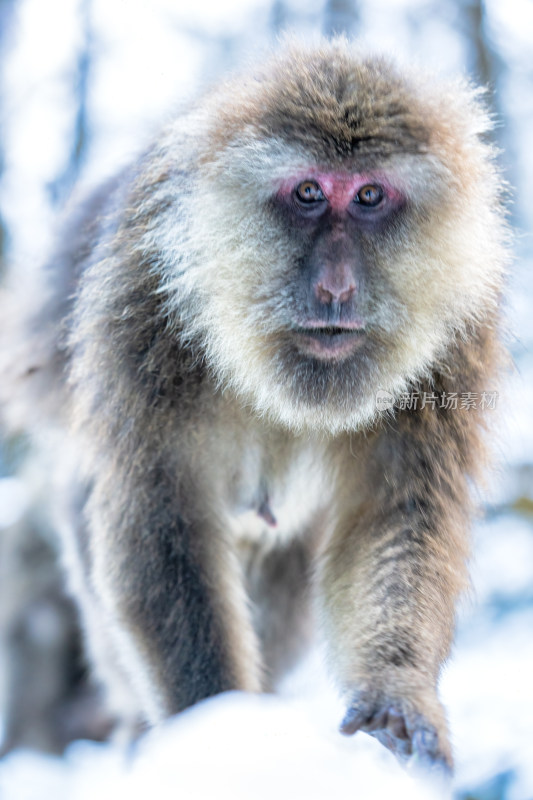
(392, 732)
(428, 758)
(425, 742)
(354, 719)
(396, 724)
(426, 750)
(377, 720)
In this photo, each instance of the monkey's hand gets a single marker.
(403, 729)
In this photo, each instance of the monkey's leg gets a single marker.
(118, 706)
(172, 592)
(391, 576)
(278, 584)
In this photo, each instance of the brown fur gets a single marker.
(220, 462)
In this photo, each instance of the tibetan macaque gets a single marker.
(219, 329)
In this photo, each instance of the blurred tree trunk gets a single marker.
(485, 63)
(6, 14)
(60, 188)
(341, 16)
(490, 70)
(483, 57)
(279, 16)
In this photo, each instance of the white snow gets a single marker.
(234, 746)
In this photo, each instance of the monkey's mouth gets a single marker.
(330, 341)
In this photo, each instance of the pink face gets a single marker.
(335, 216)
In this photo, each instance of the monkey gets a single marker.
(50, 698)
(210, 346)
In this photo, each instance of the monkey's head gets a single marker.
(345, 227)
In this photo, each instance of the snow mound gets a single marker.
(235, 745)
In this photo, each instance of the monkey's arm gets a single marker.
(393, 571)
(169, 591)
(164, 578)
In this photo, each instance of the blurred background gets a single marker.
(82, 85)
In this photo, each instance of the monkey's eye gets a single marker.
(369, 195)
(309, 192)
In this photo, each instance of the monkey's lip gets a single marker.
(330, 341)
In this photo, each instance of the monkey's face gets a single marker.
(330, 285)
(339, 227)
(333, 218)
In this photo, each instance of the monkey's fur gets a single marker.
(235, 460)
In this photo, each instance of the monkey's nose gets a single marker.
(328, 293)
(335, 284)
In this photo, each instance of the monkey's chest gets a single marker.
(277, 501)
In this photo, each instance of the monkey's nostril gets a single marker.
(347, 294)
(323, 294)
